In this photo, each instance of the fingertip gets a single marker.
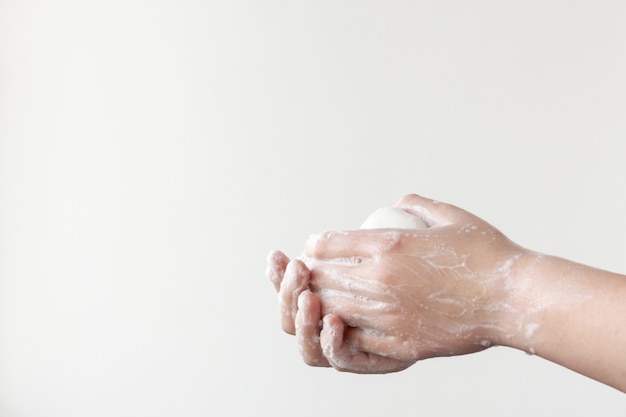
(418, 206)
(276, 264)
(332, 321)
(304, 301)
(332, 333)
(312, 303)
(325, 338)
(296, 267)
(408, 199)
(433, 212)
(277, 258)
(309, 310)
(273, 254)
(298, 277)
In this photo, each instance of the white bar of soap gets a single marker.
(393, 218)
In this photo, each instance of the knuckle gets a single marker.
(388, 242)
(316, 245)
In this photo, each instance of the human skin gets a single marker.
(376, 301)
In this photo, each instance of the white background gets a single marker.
(153, 152)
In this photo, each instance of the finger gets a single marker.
(350, 247)
(369, 340)
(347, 358)
(379, 343)
(357, 278)
(308, 330)
(359, 302)
(433, 212)
(295, 281)
(276, 265)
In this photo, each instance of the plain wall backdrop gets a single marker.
(153, 152)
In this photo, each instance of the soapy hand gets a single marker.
(389, 297)
(374, 301)
(301, 315)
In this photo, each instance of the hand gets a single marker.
(291, 280)
(300, 312)
(405, 294)
(389, 297)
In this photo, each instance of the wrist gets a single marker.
(519, 315)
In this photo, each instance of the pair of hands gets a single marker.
(376, 301)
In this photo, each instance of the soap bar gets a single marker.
(393, 218)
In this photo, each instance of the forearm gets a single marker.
(570, 314)
(457, 287)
